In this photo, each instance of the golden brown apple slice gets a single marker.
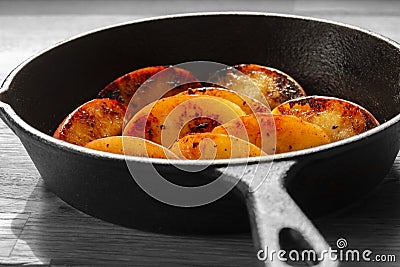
(131, 146)
(214, 146)
(275, 133)
(339, 118)
(95, 119)
(247, 104)
(259, 82)
(168, 119)
(168, 82)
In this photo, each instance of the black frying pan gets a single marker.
(326, 58)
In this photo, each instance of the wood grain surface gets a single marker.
(36, 227)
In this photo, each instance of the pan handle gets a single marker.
(272, 210)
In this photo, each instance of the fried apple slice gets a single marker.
(131, 146)
(168, 82)
(339, 118)
(275, 133)
(264, 84)
(95, 119)
(247, 104)
(168, 119)
(214, 146)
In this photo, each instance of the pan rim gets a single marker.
(62, 145)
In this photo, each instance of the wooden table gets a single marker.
(36, 227)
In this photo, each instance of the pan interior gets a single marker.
(326, 59)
